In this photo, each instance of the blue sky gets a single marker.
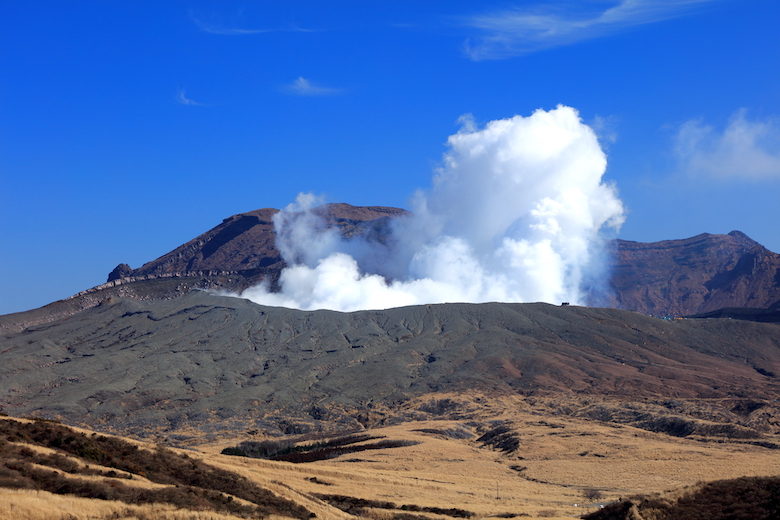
(128, 128)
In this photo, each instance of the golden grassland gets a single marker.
(23, 504)
(559, 461)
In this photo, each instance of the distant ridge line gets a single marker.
(742, 313)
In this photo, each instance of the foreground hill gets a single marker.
(215, 363)
(674, 277)
(737, 499)
(516, 465)
(42, 456)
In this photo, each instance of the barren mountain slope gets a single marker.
(237, 254)
(695, 275)
(246, 242)
(208, 362)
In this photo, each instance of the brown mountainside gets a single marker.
(244, 243)
(695, 275)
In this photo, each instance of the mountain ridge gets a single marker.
(699, 274)
(246, 241)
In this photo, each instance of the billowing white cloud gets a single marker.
(513, 32)
(304, 87)
(514, 214)
(744, 149)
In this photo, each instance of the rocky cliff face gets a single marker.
(695, 275)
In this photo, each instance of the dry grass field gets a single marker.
(24, 504)
(531, 464)
(559, 462)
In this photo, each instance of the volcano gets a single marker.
(682, 277)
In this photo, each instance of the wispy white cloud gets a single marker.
(214, 28)
(606, 129)
(182, 98)
(514, 32)
(232, 29)
(304, 87)
(745, 149)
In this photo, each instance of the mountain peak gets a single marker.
(743, 237)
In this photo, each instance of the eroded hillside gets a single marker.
(211, 362)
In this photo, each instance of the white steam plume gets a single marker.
(514, 215)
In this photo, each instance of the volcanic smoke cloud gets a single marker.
(514, 215)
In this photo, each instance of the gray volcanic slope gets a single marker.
(201, 360)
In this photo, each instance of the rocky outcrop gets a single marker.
(119, 272)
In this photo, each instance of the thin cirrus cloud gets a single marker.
(232, 29)
(745, 149)
(514, 32)
(181, 97)
(305, 87)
